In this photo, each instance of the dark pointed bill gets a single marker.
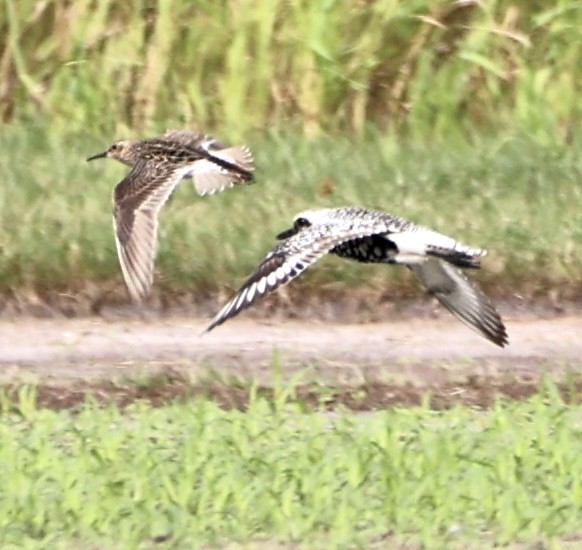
(371, 236)
(286, 234)
(99, 156)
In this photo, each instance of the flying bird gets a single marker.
(372, 236)
(158, 165)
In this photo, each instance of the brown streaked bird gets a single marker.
(158, 165)
(372, 236)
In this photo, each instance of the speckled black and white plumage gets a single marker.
(158, 165)
(372, 236)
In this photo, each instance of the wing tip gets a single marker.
(219, 319)
(207, 329)
(138, 297)
(228, 310)
(490, 325)
(500, 337)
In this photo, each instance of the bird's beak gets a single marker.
(286, 234)
(99, 156)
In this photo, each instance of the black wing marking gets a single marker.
(372, 249)
(286, 262)
(223, 169)
(277, 268)
(215, 166)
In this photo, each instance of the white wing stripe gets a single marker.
(330, 228)
(251, 292)
(262, 285)
(272, 278)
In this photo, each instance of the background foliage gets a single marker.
(461, 115)
(235, 65)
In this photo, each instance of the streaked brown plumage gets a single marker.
(158, 165)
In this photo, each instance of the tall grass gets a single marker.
(514, 197)
(429, 67)
(74, 76)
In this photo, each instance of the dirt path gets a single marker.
(427, 350)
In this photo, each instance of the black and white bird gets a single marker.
(158, 165)
(372, 236)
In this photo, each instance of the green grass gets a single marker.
(201, 475)
(515, 197)
(429, 76)
(432, 67)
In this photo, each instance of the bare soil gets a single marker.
(363, 366)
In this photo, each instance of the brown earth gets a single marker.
(363, 366)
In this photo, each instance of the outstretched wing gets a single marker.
(221, 166)
(286, 262)
(184, 137)
(458, 294)
(225, 168)
(137, 201)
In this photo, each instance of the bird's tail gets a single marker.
(460, 255)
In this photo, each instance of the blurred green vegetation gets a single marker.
(197, 476)
(428, 67)
(463, 116)
(518, 199)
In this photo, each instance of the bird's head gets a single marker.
(123, 151)
(306, 219)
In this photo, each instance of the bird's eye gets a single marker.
(301, 222)
(114, 147)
